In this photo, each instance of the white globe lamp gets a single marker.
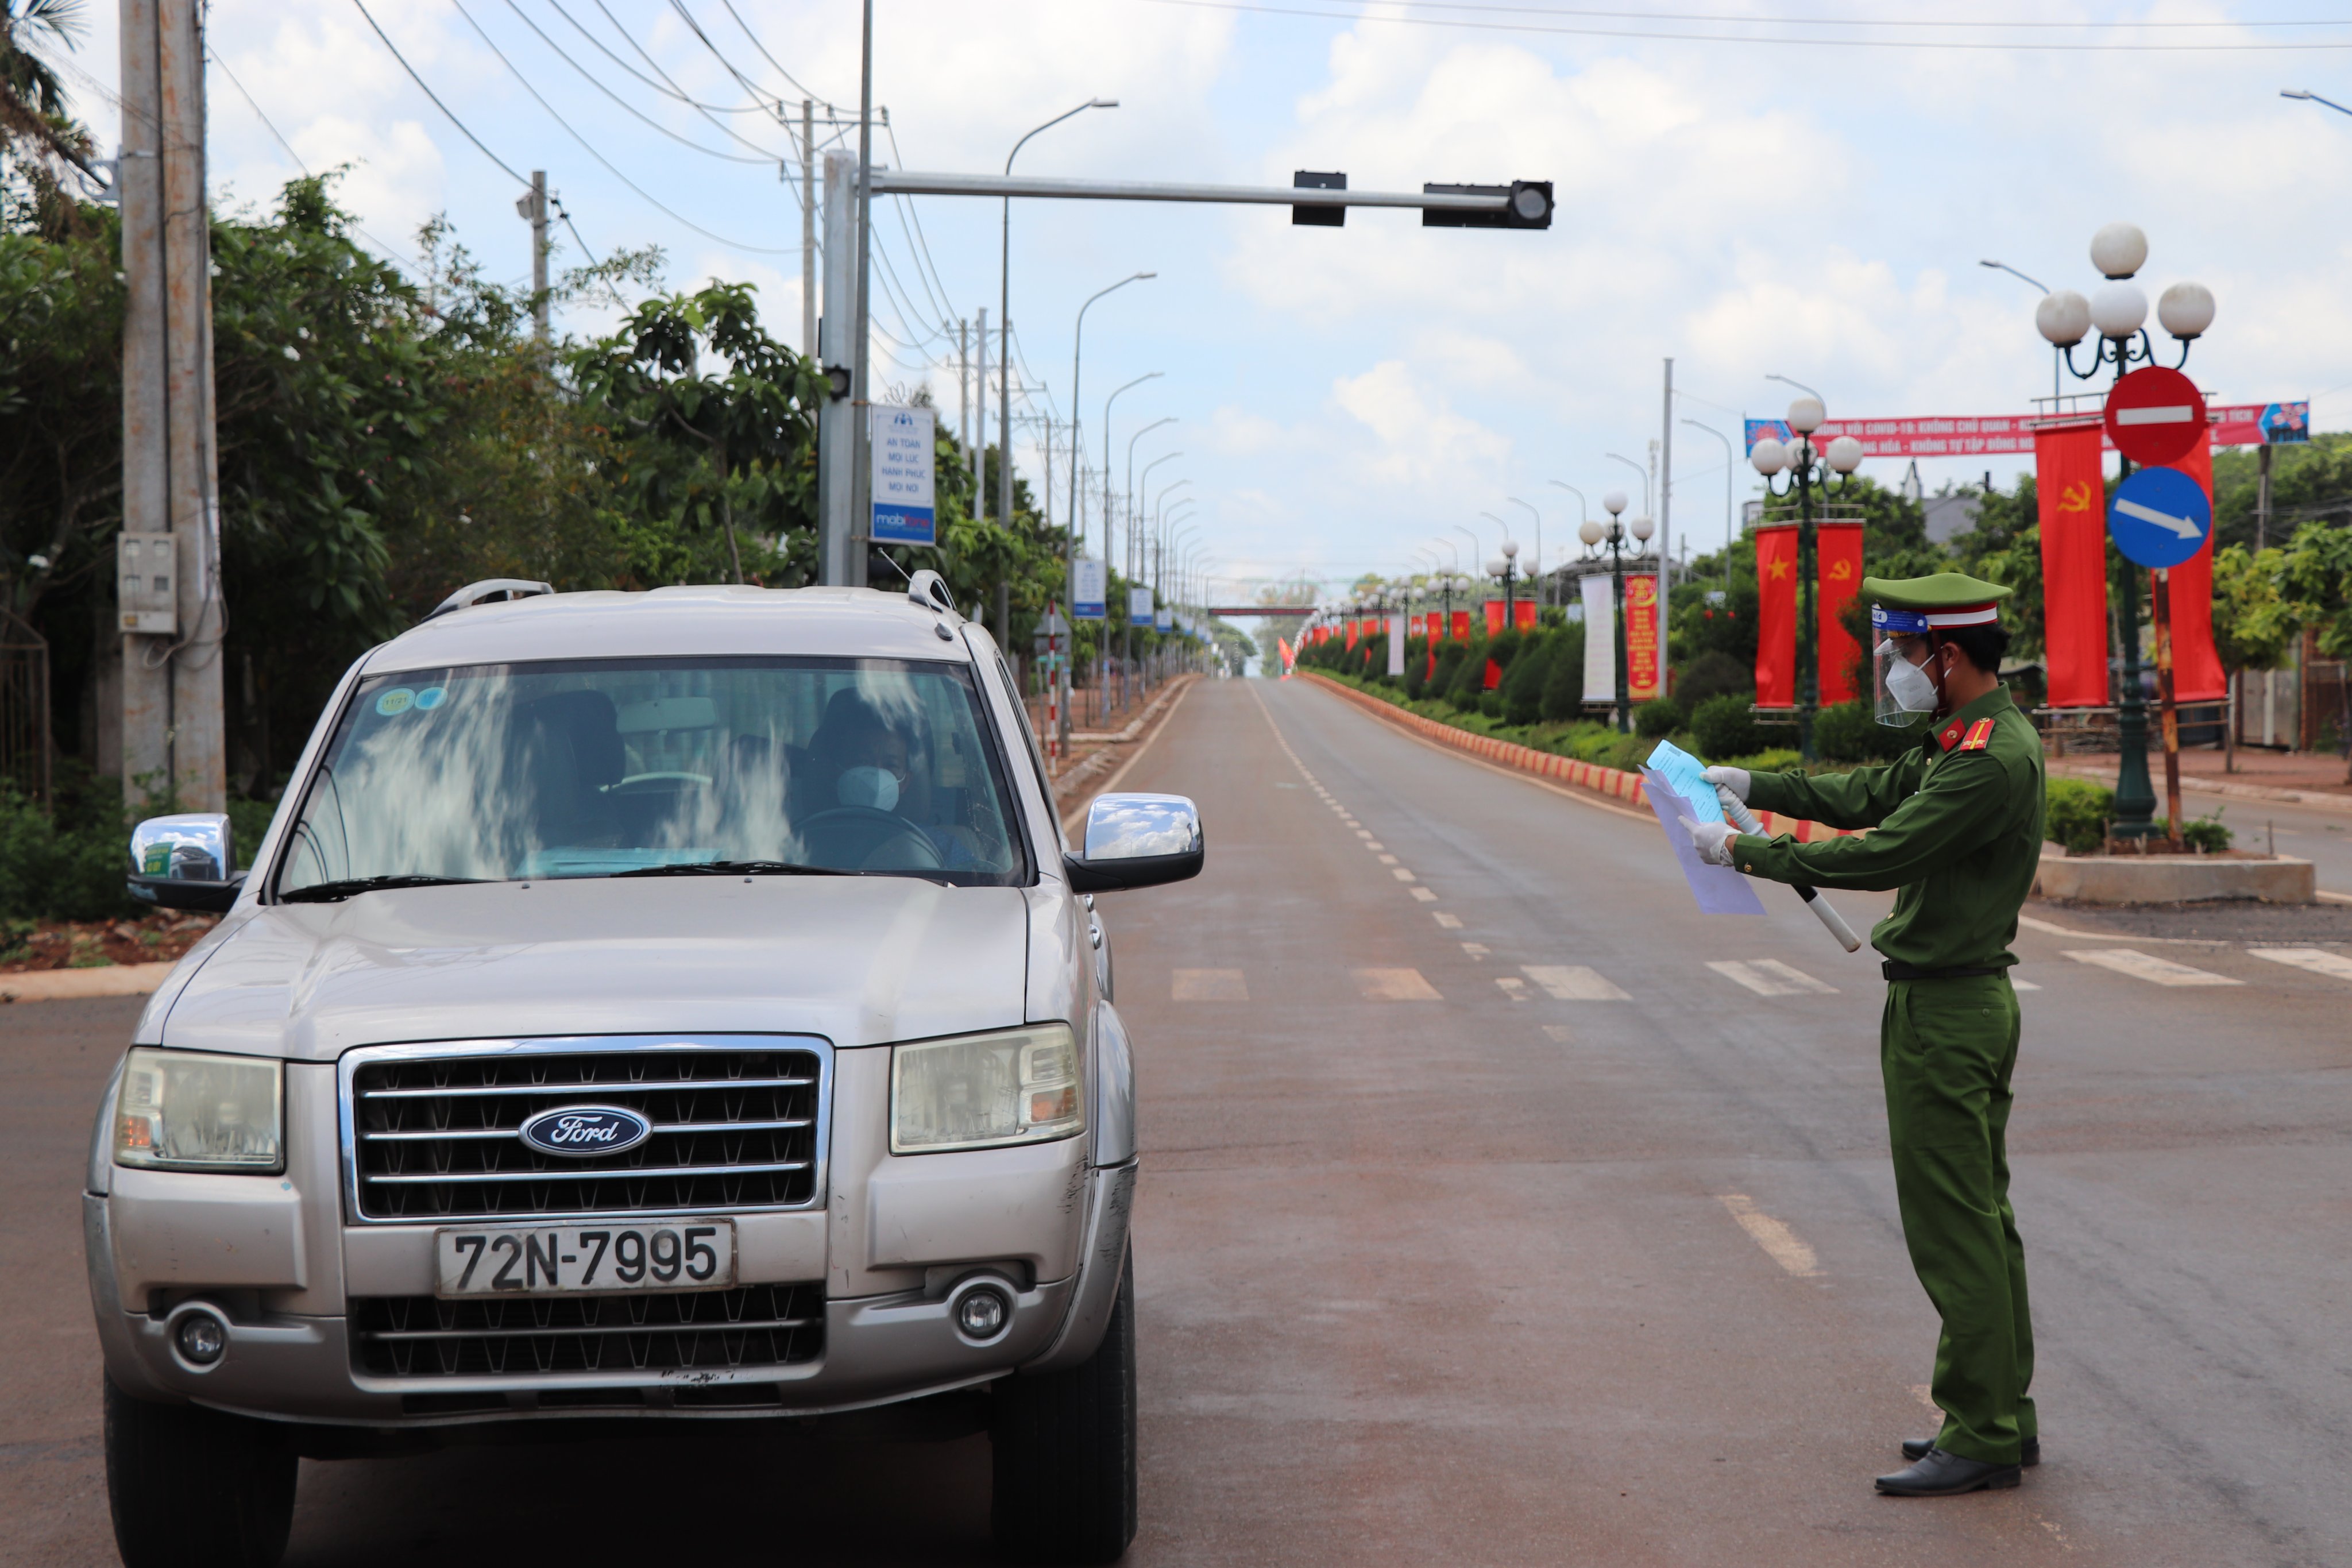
(1769, 457)
(1643, 528)
(2119, 250)
(2118, 310)
(2064, 318)
(1846, 454)
(2186, 310)
(1805, 416)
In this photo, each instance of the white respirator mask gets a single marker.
(1902, 691)
(877, 788)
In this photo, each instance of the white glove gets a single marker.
(1713, 839)
(1732, 779)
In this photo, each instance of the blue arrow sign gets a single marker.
(2159, 516)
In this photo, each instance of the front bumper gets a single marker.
(879, 1349)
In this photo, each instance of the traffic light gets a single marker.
(1529, 206)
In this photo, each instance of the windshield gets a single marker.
(598, 768)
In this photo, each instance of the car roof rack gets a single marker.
(491, 591)
(929, 589)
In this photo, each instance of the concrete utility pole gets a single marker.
(174, 735)
(1665, 491)
(836, 443)
(808, 227)
(963, 383)
(979, 429)
(532, 206)
(861, 385)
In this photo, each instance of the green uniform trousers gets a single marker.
(1946, 1048)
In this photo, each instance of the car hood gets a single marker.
(858, 960)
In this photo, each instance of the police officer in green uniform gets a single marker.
(1955, 827)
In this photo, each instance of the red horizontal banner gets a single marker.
(1970, 435)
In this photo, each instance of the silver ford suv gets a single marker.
(678, 1006)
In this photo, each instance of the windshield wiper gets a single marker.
(735, 869)
(329, 892)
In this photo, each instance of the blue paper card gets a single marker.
(1683, 772)
(1719, 889)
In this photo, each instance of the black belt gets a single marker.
(1896, 969)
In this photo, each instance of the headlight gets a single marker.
(983, 1090)
(181, 1111)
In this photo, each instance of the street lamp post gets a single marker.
(1061, 724)
(1102, 659)
(1613, 503)
(1004, 337)
(2118, 313)
(1539, 554)
(2056, 385)
(1809, 469)
(1729, 532)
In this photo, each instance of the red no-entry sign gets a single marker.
(2153, 416)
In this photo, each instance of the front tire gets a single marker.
(192, 1488)
(1065, 1452)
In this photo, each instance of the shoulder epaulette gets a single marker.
(1980, 736)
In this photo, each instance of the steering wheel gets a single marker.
(865, 831)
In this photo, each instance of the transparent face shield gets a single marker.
(1901, 690)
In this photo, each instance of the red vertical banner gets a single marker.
(1351, 634)
(1776, 616)
(2071, 490)
(2197, 675)
(1494, 675)
(1461, 625)
(1523, 615)
(1493, 616)
(1644, 643)
(1837, 547)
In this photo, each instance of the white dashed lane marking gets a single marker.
(1771, 977)
(2320, 961)
(1400, 874)
(1210, 985)
(1512, 987)
(1557, 1033)
(1424, 895)
(1477, 950)
(1394, 985)
(1779, 1243)
(1573, 983)
(2148, 967)
(1450, 922)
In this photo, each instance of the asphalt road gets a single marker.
(1498, 1208)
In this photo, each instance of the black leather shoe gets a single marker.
(2029, 1452)
(1942, 1474)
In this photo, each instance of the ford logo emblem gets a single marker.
(585, 1131)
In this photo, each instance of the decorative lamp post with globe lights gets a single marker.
(1614, 534)
(1505, 569)
(1808, 469)
(2117, 311)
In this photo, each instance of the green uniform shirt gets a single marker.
(1957, 826)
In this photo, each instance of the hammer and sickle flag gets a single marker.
(2073, 561)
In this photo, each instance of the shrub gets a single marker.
(1563, 688)
(1659, 717)
(1712, 673)
(1469, 680)
(68, 865)
(2205, 833)
(1449, 665)
(1724, 728)
(1523, 680)
(1416, 667)
(1850, 733)
(2075, 812)
(1778, 760)
(1490, 704)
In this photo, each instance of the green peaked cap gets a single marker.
(1943, 590)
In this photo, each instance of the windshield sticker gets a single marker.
(432, 696)
(397, 702)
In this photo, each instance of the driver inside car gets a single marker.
(860, 761)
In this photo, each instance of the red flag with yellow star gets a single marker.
(1776, 616)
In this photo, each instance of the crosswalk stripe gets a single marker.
(1394, 985)
(1573, 983)
(2320, 961)
(1771, 977)
(2148, 967)
(1512, 987)
(2017, 985)
(1209, 985)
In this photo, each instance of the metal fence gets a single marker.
(24, 748)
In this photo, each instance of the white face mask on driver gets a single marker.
(868, 786)
(1913, 688)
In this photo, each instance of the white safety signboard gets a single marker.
(1139, 606)
(1089, 588)
(903, 496)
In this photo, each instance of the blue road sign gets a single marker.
(2159, 516)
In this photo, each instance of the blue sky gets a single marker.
(1346, 397)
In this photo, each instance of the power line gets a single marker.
(1491, 7)
(428, 92)
(393, 256)
(666, 88)
(1262, 8)
(643, 194)
(748, 84)
(771, 60)
(765, 157)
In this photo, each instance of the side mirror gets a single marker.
(185, 862)
(1137, 841)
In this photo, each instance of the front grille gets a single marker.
(435, 1137)
(754, 1326)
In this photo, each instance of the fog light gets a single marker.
(203, 1339)
(982, 1314)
